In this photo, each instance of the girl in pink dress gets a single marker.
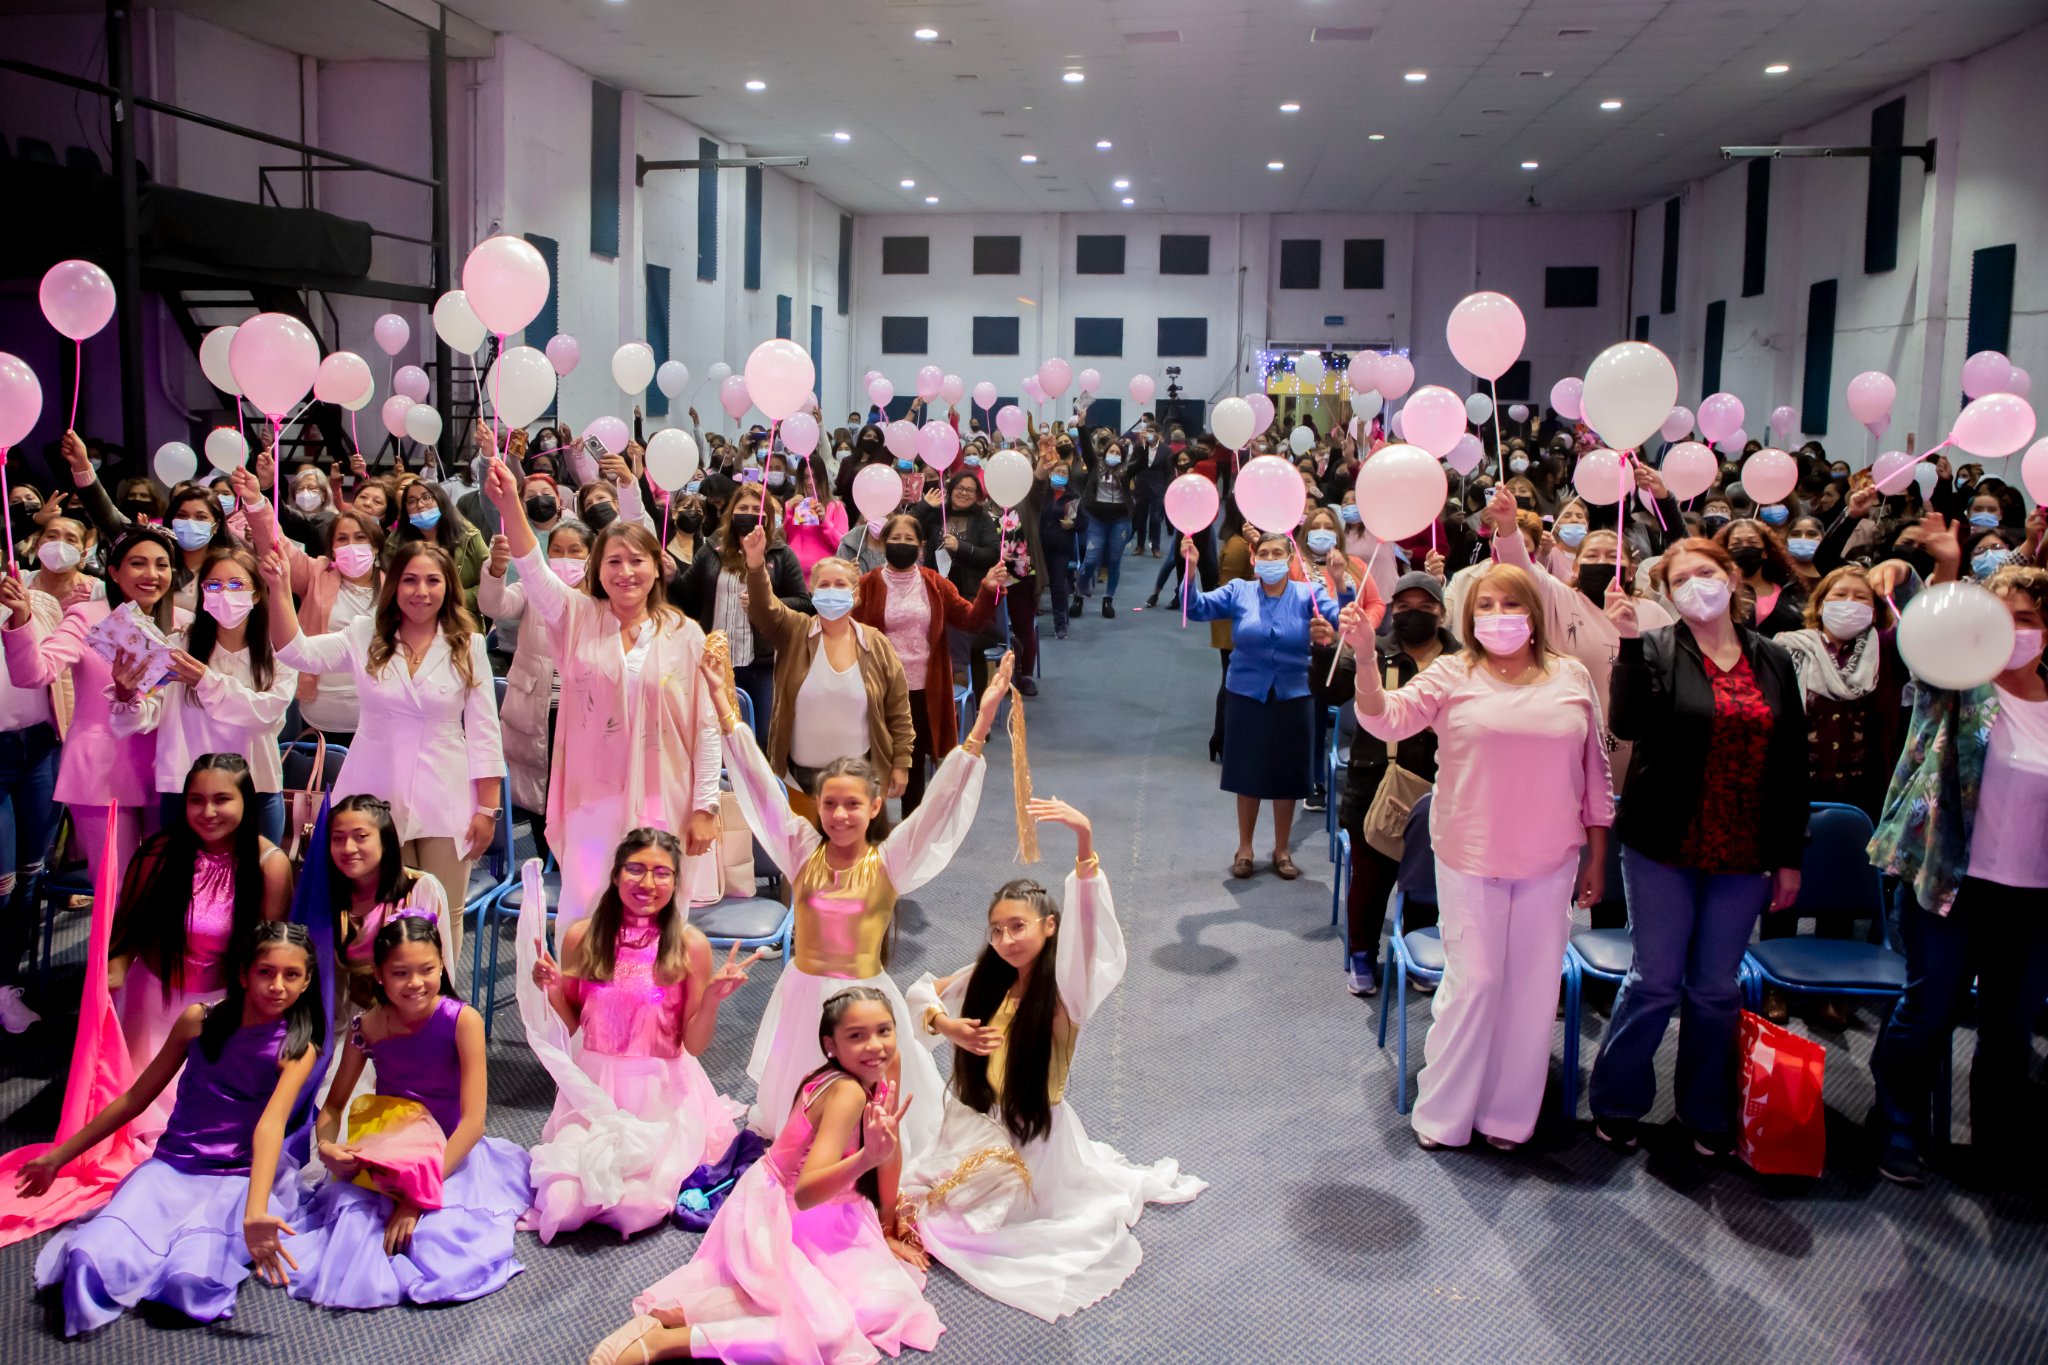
(797, 1267)
(191, 892)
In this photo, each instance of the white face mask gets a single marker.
(1702, 598)
(58, 556)
(1845, 620)
(308, 500)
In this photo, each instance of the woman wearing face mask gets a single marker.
(533, 689)
(1518, 729)
(311, 508)
(1106, 479)
(1961, 831)
(1714, 514)
(710, 589)
(1802, 543)
(1986, 550)
(1567, 533)
(813, 521)
(429, 516)
(966, 543)
(867, 450)
(227, 693)
(60, 549)
(1712, 826)
(199, 527)
(1268, 713)
(1057, 516)
(333, 590)
(1759, 556)
(140, 502)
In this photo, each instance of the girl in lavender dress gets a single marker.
(184, 1226)
(193, 891)
(419, 1205)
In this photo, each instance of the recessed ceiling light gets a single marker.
(1073, 78)
(1128, 201)
(1416, 77)
(1528, 165)
(925, 35)
(842, 137)
(1776, 69)
(909, 184)
(1029, 158)
(931, 199)
(1104, 145)
(1290, 108)
(1375, 137)
(1121, 185)
(1610, 104)
(1276, 165)
(757, 86)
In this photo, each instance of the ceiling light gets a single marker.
(909, 184)
(1776, 69)
(1290, 108)
(757, 86)
(1073, 78)
(1375, 137)
(1610, 104)
(1128, 201)
(1528, 165)
(925, 35)
(1276, 165)
(1029, 158)
(842, 137)
(931, 199)
(1104, 145)
(1122, 185)
(1416, 77)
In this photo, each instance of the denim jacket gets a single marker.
(1931, 810)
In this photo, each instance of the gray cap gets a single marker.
(1418, 579)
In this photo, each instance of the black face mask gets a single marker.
(1526, 504)
(743, 523)
(689, 523)
(1711, 523)
(600, 515)
(1413, 627)
(541, 507)
(1749, 559)
(1594, 580)
(900, 555)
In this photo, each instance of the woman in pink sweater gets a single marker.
(813, 521)
(1519, 826)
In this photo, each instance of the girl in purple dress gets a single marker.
(419, 1205)
(184, 1226)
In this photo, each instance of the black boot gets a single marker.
(1108, 609)
(1074, 607)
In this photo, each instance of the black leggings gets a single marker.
(921, 729)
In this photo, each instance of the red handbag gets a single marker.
(1784, 1126)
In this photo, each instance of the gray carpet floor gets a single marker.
(1326, 1234)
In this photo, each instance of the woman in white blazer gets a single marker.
(532, 685)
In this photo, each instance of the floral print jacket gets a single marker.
(1931, 809)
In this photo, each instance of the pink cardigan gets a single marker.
(97, 766)
(1521, 772)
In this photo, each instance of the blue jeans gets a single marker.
(1690, 930)
(1998, 936)
(28, 820)
(1105, 545)
(269, 813)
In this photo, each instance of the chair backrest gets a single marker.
(1417, 878)
(82, 159)
(36, 149)
(498, 685)
(746, 710)
(1835, 875)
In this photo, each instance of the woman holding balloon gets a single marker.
(1768, 575)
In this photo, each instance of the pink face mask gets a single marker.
(354, 560)
(230, 607)
(570, 571)
(1502, 634)
(2026, 648)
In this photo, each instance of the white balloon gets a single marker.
(716, 374)
(1366, 406)
(1955, 636)
(226, 449)
(175, 462)
(1008, 477)
(456, 323)
(520, 385)
(369, 392)
(672, 378)
(1629, 392)
(633, 366)
(1478, 407)
(423, 423)
(1233, 423)
(671, 458)
(213, 359)
(1308, 368)
(1301, 440)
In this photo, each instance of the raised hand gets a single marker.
(1938, 537)
(356, 465)
(50, 510)
(266, 465)
(999, 683)
(1321, 632)
(1861, 500)
(1433, 565)
(14, 598)
(271, 566)
(878, 1125)
(1621, 609)
(1355, 628)
(75, 455)
(1648, 479)
(732, 973)
(1500, 511)
(261, 1231)
(501, 555)
(247, 490)
(503, 490)
(755, 544)
(547, 973)
(1000, 576)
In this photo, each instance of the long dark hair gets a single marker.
(149, 921)
(1027, 1107)
(304, 1023)
(204, 631)
(448, 532)
(833, 1011)
(595, 954)
(408, 929)
(394, 883)
(162, 613)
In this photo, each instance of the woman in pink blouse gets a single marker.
(1519, 826)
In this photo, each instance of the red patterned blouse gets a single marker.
(1726, 831)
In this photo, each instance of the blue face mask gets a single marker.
(427, 520)
(1348, 514)
(227, 504)
(1777, 514)
(1270, 570)
(1517, 464)
(832, 603)
(1985, 563)
(693, 485)
(905, 466)
(1112, 460)
(1058, 481)
(192, 534)
(1803, 547)
(1983, 521)
(974, 461)
(1571, 533)
(1322, 541)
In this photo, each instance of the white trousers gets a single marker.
(1488, 1052)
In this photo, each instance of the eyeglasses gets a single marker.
(225, 585)
(643, 872)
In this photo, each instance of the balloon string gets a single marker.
(1908, 466)
(7, 512)
(1183, 592)
(354, 439)
(77, 379)
(1637, 460)
(497, 446)
(277, 461)
(1338, 656)
(1499, 456)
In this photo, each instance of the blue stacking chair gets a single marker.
(507, 903)
(490, 877)
(1419, 954)
(750, 921)
(1340, 882)
(55, 890)
(1602, 954)
(1835, 878)
(746, 710)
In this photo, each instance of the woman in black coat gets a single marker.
(708, 591)
(964, 537)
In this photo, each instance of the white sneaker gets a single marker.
(15, 1015)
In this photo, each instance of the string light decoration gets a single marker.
(1276, 371)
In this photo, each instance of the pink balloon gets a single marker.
(1191, 503)
(929, 377)
(984, 395)
(733, 396)
(391, 332)
(1677, 426)
(1054, 375)
(779, 377)
(800, 433)
(1567, 395)
(1394, 425)
(1466, 454)
(901, 438)
(1009, 421)
(1603, 478)
(1985, 373)
(1401, 490)
(77, 298)
(506, 282)
(1433, 419)
(21, 400)
(393, 413)
(1769, 476)
(1271, 495)
(1486, 332)
(611, 433)
(1363, 372)
(880, 391)
(1734, 441)
(342, 378)
(1142, 389)
(1689, 469)
(870, 377)
(938, 444)
(1892, 471)
(877, 491)
(1090, 382)
(952, 388)
(1995, 426)
(2019, 383)
(1262, 412)
(1783, 420)
(564, 353)
(1720, 414)
(1518, 412)
(1393, 376)
(411, 381)
(275, 359)
(1870, 396)
(1034, 390)
(2034, 471)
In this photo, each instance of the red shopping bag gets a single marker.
(1784, 1130)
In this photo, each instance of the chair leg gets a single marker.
(490, 988)
(1387, 979)
(1401, 1046)
(1573, 985)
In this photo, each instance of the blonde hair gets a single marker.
(1523, 586)
(847, 567)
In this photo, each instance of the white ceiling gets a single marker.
(1195, 119)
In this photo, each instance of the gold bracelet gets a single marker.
(929, 1027)
(1087, 867)
(973, 746)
